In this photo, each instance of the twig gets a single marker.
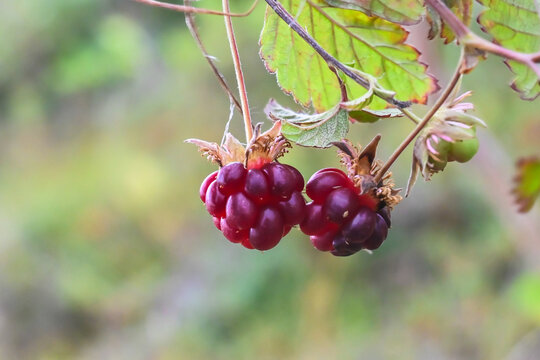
(330, 60)
(468, 39)
(440, 101)
(239, 74)
(190, 9)
(190, 22)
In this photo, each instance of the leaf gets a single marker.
(527, 183)
(370, 116)
(515, 24)
(314, 130)
(369, 44)
(397, 11)
(461, 8)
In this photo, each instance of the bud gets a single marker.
(449, 136)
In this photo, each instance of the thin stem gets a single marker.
(414, 118)
(239, 74)
(190, 9)
(190, 22)
(330, 60)
(468, 39)
(440, 101)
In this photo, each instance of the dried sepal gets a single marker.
(361, 169)
(263, 147)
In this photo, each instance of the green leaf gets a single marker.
(461, 8)
(527, 183)
(313, 130)
(515, 24)
(406, 12)
(370, 116)
(369, 44)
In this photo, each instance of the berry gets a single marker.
(463, 150)
(255, 207)
(339, 219)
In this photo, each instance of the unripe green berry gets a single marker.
(463, 151)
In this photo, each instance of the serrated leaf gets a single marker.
(369, 44)
(515, 24)
(406, 12)
(527, 183)
(461, 8)
(370, 116)
(313, 130)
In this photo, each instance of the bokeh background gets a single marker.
(106, 251)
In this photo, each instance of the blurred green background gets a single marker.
(106, 251)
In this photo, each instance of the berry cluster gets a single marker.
(255, 207)
(339, 219)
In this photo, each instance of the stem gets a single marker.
(468, 39)
(440, 101)
(239, 73)
(190, 9)
(330, 60)
(190, 22)
(414, 118)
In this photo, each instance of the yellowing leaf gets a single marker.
(527, 188)
(405, 12)
(515, 24)
(369, 44)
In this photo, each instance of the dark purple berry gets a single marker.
(215, 201)
(256, 185)
(268, 229)
(340, 205)
(205, 184)
(385, 213)
(360, 227)
(231, 177)
(378, 236)
(294, 209)
(342, 248)
(241, 211)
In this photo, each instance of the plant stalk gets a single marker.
(239, 73)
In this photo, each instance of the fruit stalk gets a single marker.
(239, 73)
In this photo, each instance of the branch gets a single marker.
(239, 73)
(190, 9)
(330, 60)
(440, 101)
(468, 39)
(190, 22)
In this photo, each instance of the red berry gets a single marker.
(339, 219)
(315, 222)
(282, 181)
(257, 185)
(205, 184)
(231, 233)
(241, 211)
(294, 209)
(323, 183)
(231, 177)
(215, 200)
(323, 242)
(340, 205)
(268, 229)
(257, 207)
